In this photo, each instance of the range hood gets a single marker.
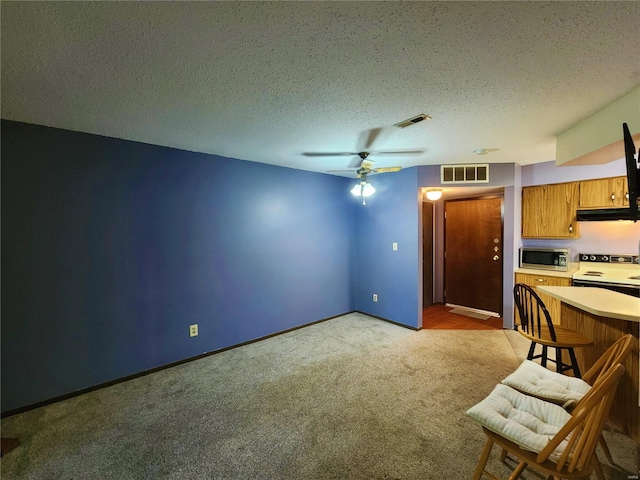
(603, 214)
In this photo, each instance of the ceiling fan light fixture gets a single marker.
(368, 190)
(433, 195)
(363, 189)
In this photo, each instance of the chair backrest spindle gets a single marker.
(534, 316)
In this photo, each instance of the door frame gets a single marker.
(432, 230)
(501, 253)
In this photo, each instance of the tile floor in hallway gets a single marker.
(440, 317)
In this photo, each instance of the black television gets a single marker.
(633, 171)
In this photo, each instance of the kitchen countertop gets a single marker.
(598, 301)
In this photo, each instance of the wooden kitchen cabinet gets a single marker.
(534, 281)
(549, 211)
(604, 192)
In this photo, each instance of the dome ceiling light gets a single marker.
(433, 194)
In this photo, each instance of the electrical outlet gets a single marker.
(394, 246)
(375, 297)
(193, 330)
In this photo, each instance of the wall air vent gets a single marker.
(474, 173)
(417, 119)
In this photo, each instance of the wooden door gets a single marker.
(473, 253)
(427, 254)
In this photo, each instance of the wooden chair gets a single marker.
(536, 326)
(569, 453)
(533, 379)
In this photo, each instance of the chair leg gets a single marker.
(574, 362)
(532, 349)
(597, 467)
(482, 461)
(503, 455)
(518, 470)
(559, 364)
(543, 360)
(605, 449)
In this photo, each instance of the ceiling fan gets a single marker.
(349, 154)
(366, 140)
(363, 188)
(365, 166)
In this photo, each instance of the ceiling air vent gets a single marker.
(475, 173)
(417, 119)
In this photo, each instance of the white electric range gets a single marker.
(620, 273)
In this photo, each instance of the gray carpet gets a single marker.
(350, 398)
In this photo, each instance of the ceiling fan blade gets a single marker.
(367, 138)
(328, 154)
(351, 170)
(399, 152)
(387, 169)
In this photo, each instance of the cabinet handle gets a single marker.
(540, 280)
(570, 228)
(613, 198)
(627, 196)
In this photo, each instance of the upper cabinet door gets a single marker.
(603, 192)
(549, 211)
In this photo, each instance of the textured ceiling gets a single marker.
(268, 82)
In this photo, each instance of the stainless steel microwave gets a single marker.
(545, 258)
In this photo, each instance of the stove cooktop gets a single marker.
(609, 268)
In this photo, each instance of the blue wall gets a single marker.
(111, 249)
(391, 215)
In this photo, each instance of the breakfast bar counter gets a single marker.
(604, 316)
(598, 301)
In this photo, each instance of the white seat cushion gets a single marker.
(527, 421)
(533, 379)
